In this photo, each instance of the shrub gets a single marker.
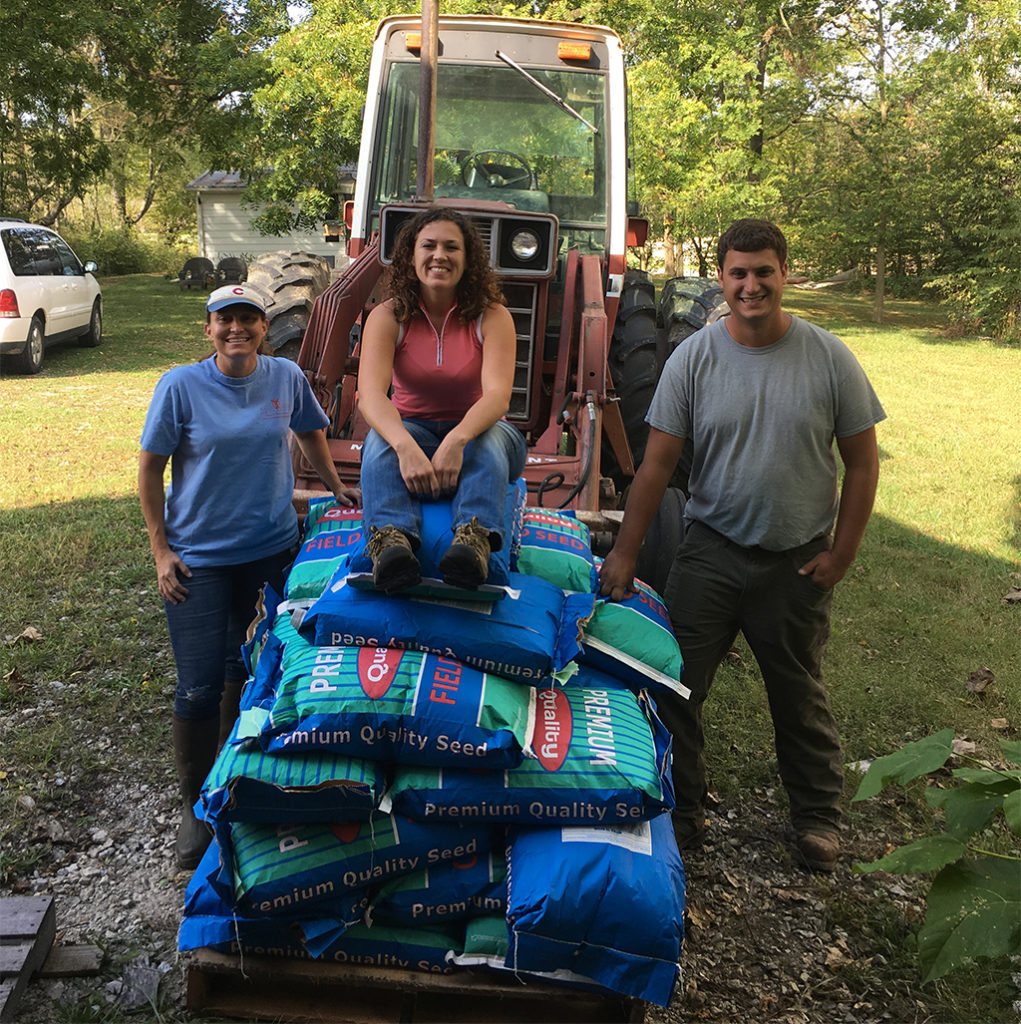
(974, 904)
(126, 251)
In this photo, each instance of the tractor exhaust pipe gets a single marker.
(427, 100)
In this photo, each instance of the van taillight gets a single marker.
(8, 303)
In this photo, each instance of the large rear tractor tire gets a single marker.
(664, 537)
(686, 305)
(636, 359)
(290, 282)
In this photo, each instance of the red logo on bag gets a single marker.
(377, 667)
(346, 831)
(552, 729)
(340, 512)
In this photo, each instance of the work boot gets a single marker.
(466, 563)
(230, 704)
(819, 849)
(194, 753)
(394, 565)
(689, 832)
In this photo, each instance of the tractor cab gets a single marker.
(528, 139)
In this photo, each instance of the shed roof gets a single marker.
(232, 181)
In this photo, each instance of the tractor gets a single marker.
(521, 125)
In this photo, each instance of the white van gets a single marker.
(46, 295)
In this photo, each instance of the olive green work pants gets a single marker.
(717, 589)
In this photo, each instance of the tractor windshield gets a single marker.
(501, 135)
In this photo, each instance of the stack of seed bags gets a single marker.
(408, 771)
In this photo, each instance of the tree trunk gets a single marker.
(669, 259)
(877, 304)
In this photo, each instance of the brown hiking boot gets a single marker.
(466, 563)
(394, 565)
(819, 849)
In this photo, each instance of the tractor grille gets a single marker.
(522, 300)
(485, 229)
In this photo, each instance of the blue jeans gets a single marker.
(208, 628)
(715, 590)
(491, 461)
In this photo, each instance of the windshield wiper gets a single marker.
(549, 92)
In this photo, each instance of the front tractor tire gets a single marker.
(636, 360)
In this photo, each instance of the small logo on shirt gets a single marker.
(276, 412)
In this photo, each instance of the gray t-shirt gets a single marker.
(761, 422)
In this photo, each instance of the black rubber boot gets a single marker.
(194, 753)
(230, 702)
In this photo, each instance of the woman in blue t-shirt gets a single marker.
(226, 524)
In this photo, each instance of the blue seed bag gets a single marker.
(246, 784)
(464, 887)
(599, 755)
(386, 704)
(633, 640)
(326, 516)
(209, 920)
(294, 868)
(605, 902)
(531, 634)
(409, 949)
(331, 534)
(555, 545)
(437, 535)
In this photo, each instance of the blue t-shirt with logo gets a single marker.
(231, 481)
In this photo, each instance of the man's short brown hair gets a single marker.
(751, 235)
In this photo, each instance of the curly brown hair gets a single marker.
(476, 291)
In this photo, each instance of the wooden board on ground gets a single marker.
(28, 926)
(314, 992)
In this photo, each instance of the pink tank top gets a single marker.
(437, 375)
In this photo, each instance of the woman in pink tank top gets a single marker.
(434, 383)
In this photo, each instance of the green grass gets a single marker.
(921, 609)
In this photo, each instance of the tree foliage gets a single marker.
(884, 135)
(121, 90)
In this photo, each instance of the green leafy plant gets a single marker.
(973, 908)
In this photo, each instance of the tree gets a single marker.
(87, 89)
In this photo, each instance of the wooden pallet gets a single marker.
(28, 926)
(313, 992)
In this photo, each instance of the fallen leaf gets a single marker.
(979, 680)
(29, 635)
(700, 918)
(15, 681)
(790, 895)
(962, 746)
(835, 958)
(1013, 596)
(999, 723)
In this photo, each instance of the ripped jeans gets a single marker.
(209, 627)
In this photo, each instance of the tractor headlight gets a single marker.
(524, 245)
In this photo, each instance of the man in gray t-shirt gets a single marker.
(761, 396)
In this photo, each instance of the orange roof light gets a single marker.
(574, 51)
(413, 41)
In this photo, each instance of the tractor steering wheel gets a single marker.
(497, 175)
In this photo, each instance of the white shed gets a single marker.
(225, 226)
